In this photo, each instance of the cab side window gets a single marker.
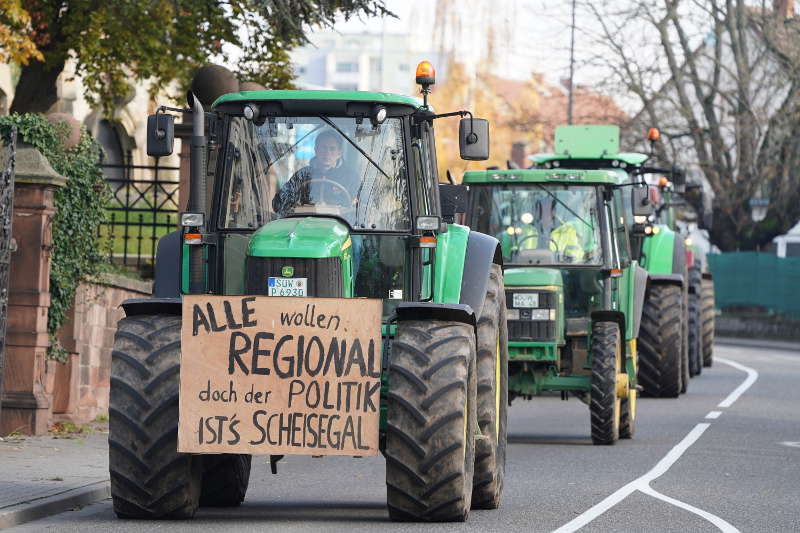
(623, 216)
(425, 168)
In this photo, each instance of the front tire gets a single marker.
(695, 326)
(707, 319)
(659, 342)
(492, 359)
(225, 479)
(605, 405)
(149, 478)
(431, 421)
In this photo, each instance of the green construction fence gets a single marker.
(756, 279)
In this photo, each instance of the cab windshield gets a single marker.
(542, 224)
(334, 166)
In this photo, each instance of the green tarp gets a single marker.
(757, 279)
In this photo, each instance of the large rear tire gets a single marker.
(695, 326)
(149, 478)
(685, 334)
(492, 364)
(659, 342)
(605, 405)
(225, 480)
(431, 421)
(707, 319)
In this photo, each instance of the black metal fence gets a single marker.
(143, 208)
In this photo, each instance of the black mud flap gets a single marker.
(152, 306)
(436, 311)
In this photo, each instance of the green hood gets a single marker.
(532, 276)
(310, 237)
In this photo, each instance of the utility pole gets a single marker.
(571, 64)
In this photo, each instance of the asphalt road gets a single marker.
(726, 456)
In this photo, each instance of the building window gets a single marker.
(345, 86)
(301, 70)
(375, 64)
(403, 67)
(346, 66)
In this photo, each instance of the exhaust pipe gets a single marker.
(197, 189)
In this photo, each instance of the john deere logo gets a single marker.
(287, 271)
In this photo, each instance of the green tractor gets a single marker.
(663, 348)
(666, 195)
(574, 293)
(323, 194)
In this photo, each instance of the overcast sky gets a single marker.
(530, 35)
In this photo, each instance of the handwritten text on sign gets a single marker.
(280, 375)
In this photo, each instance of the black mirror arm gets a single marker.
(471, 138)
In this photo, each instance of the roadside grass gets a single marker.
(140, 229)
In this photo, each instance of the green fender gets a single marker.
(657, 251)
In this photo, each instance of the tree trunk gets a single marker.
(36, 91)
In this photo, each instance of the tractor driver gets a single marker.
(326, 169)
(550, 233)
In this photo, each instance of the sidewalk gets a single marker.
(758, 343)
(41, 476)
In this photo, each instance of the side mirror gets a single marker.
(453, 199)
(473, 139)
(640, 201)
(160, 134)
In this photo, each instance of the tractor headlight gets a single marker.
(426, 223)
(192, 220)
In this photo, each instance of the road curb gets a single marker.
(50, 505)
(758, 343)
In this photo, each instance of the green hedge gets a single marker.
(80, 210)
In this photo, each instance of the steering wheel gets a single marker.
(527, 237)
(336, 185)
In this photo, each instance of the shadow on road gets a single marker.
(312, 511)
(572, 440)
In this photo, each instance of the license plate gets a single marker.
(526, 299)
(286, 286)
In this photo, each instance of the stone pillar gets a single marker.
(27, 395)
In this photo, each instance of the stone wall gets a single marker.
(80, 391)
(758, 327)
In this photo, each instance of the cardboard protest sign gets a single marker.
(269, 375)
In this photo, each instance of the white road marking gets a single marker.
(723, 526)
(752, 376)
(642, 483)
(791, 444)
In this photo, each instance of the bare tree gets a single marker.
(721, 79)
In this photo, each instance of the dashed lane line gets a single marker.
(642, 483)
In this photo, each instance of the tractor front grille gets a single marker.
(324, 276)
(530, 330)
(527, 329)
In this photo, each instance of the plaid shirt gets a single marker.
(296, 191)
